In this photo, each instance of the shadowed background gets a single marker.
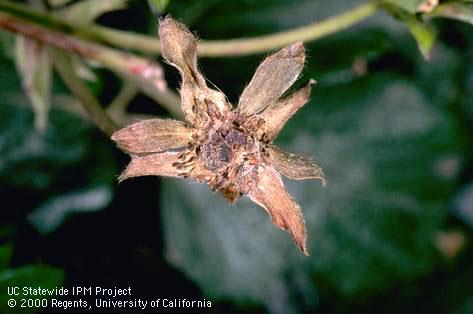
(391, 231)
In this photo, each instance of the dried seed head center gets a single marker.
(230, 149)
(227, 147)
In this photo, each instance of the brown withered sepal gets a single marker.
(229, 149)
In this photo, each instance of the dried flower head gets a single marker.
(229, 149)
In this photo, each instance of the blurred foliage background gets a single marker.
(390, 122)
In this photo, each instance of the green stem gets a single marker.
(96, 113)
(245, 46)
(209, 48)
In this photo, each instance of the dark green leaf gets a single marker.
(423, 33)
(28, 276)
(158, 5)
(6, 251)
(31, 159)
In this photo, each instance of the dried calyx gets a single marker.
(229, 149)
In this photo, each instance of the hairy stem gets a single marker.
(209, 48)
(63, 65)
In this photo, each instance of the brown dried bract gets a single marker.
(230, 150)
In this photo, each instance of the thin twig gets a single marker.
(63, 65)
(74, 106)
(207, 48)
(117, 108)
(146, 73)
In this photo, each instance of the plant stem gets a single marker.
(117, 108)
(245, 46)
(146, 73)
(63, 65)
(209, 48)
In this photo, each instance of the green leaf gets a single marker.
(31, 159)
(381, 144)
(423, 33)
(28, 276)
(158, 5)
(86, 11)
(454, 10)
(34, 65)
(7, 44)
(188, 11)
(6, 251)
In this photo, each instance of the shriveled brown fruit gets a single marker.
(229, 149)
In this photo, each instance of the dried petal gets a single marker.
(197, 171)
(153, 135)
(293, 166)
(179, 48)
(270, 194)
(277, 115)
(272, 78)
(229, 151)
(231, 193)
(152, 165)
